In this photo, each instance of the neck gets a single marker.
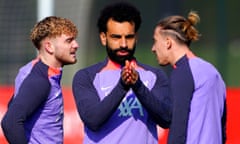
(49, 61)
(179, 52)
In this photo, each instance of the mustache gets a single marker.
(122, 49)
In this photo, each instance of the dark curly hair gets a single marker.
(120, 12)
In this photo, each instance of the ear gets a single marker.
(168, 42)
(103, 38)
(48, 47)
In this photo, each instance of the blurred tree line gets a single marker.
(219, 44)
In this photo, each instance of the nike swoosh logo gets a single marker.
(105, 88)
(146, 83)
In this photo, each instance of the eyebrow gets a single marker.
(119, 36)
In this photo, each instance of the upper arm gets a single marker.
(32, 93)
(84, 92)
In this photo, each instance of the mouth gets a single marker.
(122, 53)
(73, 54)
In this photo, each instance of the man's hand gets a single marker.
(129, 74)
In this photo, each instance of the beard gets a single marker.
(112, 54)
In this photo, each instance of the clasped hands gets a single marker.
(129, 74)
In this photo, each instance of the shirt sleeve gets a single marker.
(32, 94)
(93, 111)
(182, 88)
(157, 100)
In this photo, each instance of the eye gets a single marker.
(154, 40)
(131, 36)
(115, 36)
(69, 40)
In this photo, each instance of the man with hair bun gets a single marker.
(35, 112)
(197, 88)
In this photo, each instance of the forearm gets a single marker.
(156, 101)
(13, 126)
(93, 111)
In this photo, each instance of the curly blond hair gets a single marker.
(50, 27)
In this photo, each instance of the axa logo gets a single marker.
(130, 106)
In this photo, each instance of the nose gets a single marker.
(75, 44)
(123, 42)
(153, 48)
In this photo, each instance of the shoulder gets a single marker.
(38, 76)
(92, 68)
(155, 70)
(34, 83)
(202, 67)
(89, 72)
(148, 67)
(26, 69)
(203, 71)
